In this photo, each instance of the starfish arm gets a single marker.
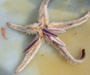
(29, 56)
(32, 44)
(61, 47)
(43, 18)
(70, 24)
(30, 29)
(68, 56)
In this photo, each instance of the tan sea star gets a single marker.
(45, 30)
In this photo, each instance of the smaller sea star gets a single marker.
(47, 30)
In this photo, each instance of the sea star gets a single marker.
(45, 30)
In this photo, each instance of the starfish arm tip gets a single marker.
(8, 23)
(83, 54)
(82, 59)
(17, 71)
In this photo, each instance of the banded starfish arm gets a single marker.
(32, 44)
(43, 17)
(70, 24)
(29, 56)
(30, 29)
(65, 52)
(53, 37)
